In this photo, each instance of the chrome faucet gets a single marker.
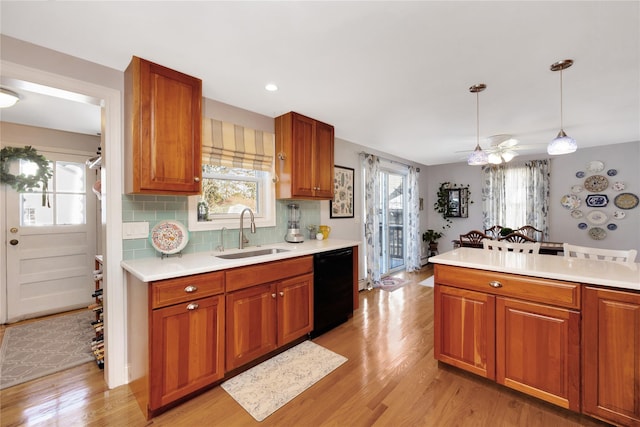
(243, 239)
(221, 245)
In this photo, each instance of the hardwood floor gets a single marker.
(390, 379)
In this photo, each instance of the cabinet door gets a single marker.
(165, 130)
(251, 324)
(538, 351)
(611, 355)
(187, 349)
(465, 329)
(323, 162)
(295, 308)
(303, 133)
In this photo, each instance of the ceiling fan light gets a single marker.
(478, 157)
(8, 98)
(562, 144)
(494, 159)
(509, 155)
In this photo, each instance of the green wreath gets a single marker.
(25, 183)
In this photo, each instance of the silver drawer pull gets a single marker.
(495, 284)
(189, 289)
(281, 293)
(192, 306)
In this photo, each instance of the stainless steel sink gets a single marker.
(250, 254)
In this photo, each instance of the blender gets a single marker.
(293, 225)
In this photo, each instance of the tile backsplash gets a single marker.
(153, 209)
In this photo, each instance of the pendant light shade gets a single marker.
(8, 98)
(478, 157)
(562, 144)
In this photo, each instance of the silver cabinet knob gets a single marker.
(196, 179)
(190, 289)
(495, 284)
(192, 306)
(273, 295)
(281, 293)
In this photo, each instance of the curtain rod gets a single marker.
(389, 160)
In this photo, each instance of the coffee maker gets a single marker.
(294, 235)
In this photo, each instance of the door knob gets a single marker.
(13, 242)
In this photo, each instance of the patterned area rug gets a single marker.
(46, 346)
(427, 282)
(391, 284)
(267, 387)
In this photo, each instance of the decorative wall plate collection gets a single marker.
(596, 184)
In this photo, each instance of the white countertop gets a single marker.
(607, 273)
(150, 269)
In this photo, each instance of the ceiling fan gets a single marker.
(501, 148)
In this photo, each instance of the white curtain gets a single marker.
(413, 215)
(516, 195)
(371, 167)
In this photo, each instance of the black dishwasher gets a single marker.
(332, 289)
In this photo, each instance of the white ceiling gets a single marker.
(393, 76)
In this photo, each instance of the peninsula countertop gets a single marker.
(606, 273)
(156, 268)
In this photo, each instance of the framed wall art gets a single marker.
(342, 204)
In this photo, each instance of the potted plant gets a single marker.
(431, 236)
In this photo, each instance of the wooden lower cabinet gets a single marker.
(538, 351)
(611, 355)
(465, 330)
(262, 318)
(500, 334)
(187, 342)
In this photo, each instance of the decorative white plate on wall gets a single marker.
(169, 237)
(619, 214)
(570, 201)
(595, 183)
(577, 189)
(576, 213)
(597, 217)
(626, 201)
(617, 186)
(597, 200)
(595, 166)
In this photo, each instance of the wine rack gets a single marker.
(97, 344)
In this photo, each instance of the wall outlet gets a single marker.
(135, 230)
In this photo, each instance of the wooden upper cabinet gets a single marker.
(163, 119)
(611, 355)
(304, 166)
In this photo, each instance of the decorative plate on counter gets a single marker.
(612, 172)
(597, 200)
(617, 186)
(570, 201)
(169, 237)
(597, 217)
(626, 201)
(595, 166)
(576, 213)
(596, 183)
(597, 233)
(579, 174)
(577, 189)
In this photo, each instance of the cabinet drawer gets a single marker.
(244, 277)
(554, 292)
(182, 289)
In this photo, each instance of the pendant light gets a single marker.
(478, 157)
(562, 144)
(8, 98)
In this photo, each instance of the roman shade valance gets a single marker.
(226, 144)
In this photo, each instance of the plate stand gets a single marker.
(177, 254)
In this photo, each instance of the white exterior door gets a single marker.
(51, 250)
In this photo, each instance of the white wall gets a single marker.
(625, 158)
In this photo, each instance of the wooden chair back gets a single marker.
(516, 237)
(503, 245)
(493, 231)
(585, 252)
(530, 231)
(473, 239)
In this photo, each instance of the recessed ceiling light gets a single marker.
(271, 87)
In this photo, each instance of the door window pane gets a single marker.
(33, 213)
(69, 177)
(70, 209)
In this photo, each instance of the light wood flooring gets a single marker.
(390, 379)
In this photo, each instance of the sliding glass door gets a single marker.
(392, 214)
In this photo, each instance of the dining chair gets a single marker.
(517, 237)
(530, 231)
(493, 231)
(473, 239)
(585, 252)
(505, 246)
